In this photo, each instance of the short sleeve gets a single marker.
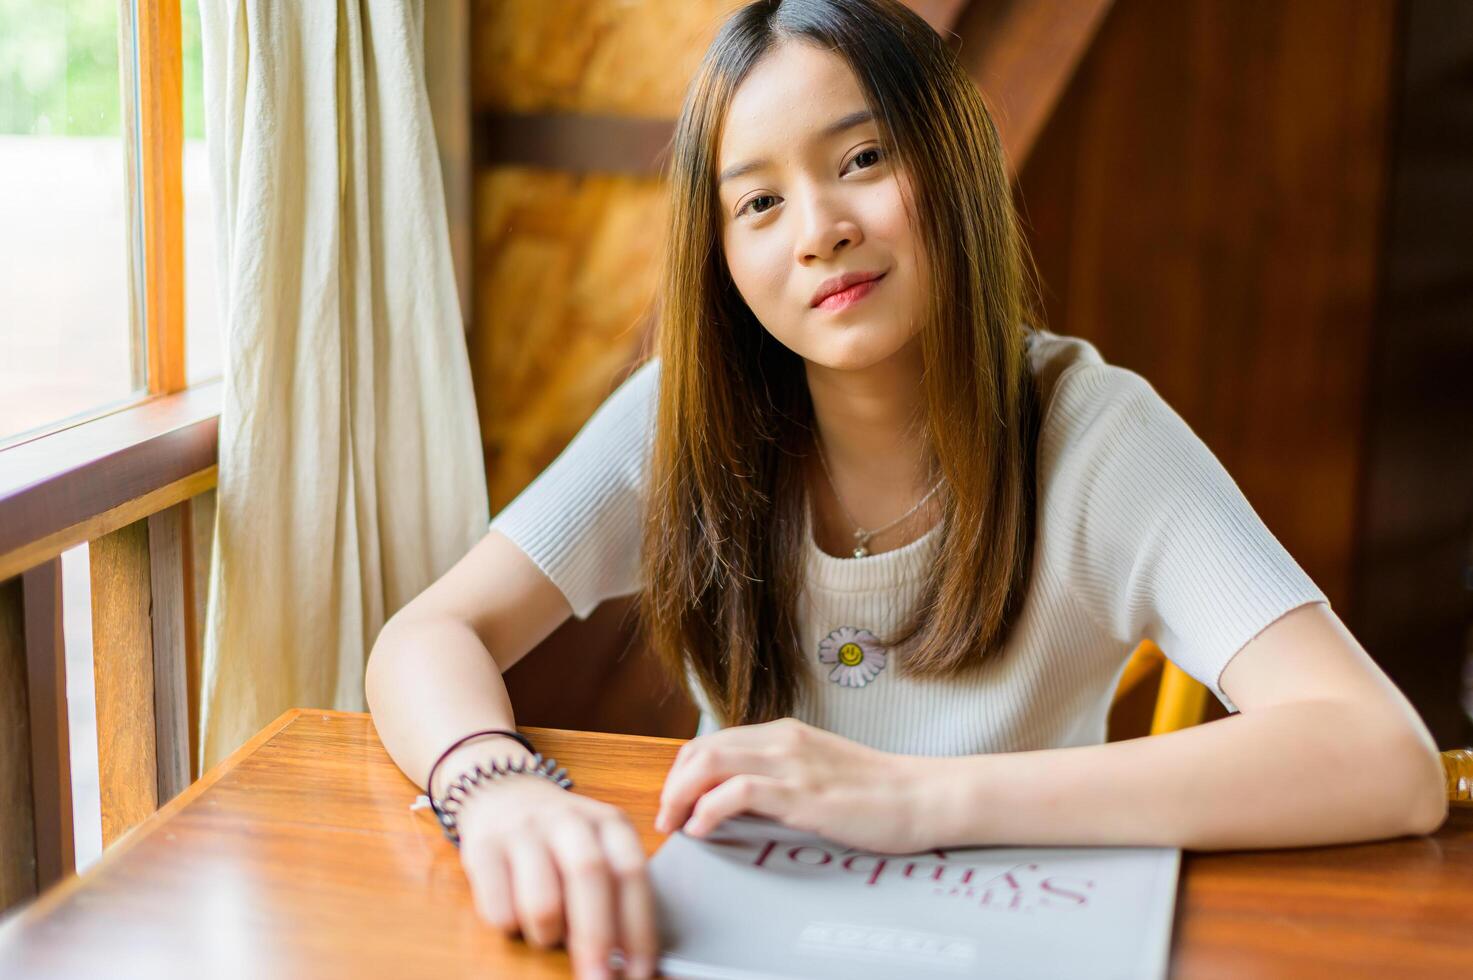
(580, 519)
(1157, 539)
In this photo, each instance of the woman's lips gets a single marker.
(846, 298)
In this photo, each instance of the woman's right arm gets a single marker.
(551, 863)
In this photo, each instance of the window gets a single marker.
(107, 265)
(66, 327)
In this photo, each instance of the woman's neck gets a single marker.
(871, 424)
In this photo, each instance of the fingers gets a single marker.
(490, 876)
(589, 895)
(706, 767)
(537, 893)
(740, 794)
(635, 899)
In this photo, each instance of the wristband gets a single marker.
(430, 780)
(447, 810)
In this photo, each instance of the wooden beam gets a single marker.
(574, 143)
(17, 816)
(122, 641)
(51, 757)
(1022, 55)
(171, 582)
(160, 73)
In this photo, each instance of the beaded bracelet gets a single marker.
(460, 788)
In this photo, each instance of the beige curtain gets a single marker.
(351, 473)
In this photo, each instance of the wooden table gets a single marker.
(299, 857)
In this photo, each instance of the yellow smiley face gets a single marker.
(851, 655)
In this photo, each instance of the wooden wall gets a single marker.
(565, 262)
(1205, 206)
(1243, 203)
(1413, 581)
(565, 271)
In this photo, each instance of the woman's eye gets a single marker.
(863, 154)
(753, 201)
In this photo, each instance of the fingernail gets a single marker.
(641, 968)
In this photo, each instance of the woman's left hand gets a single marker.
(802, 776)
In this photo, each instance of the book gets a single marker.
(757, 899)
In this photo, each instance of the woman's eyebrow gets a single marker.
(856, 118)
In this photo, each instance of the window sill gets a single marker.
(75, 485)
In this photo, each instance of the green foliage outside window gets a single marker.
(59, 68)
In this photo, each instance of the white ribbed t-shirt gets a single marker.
(1141, 534)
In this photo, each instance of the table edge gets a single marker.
(60, 891)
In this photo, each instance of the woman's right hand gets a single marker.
(556, 866)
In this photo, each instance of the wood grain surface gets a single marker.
(171, 586)
(17, 821)
(160, 62)
(50, 735)
(299, 856)
(1205, 205)
(122, 656)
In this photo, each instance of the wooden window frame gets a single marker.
(78, 481)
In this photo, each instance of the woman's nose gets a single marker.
(825, 231)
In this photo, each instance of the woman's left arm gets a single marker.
(1324, 749)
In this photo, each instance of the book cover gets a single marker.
(755, 899)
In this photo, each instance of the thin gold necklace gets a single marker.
(861, 535)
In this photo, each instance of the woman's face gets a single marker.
(817, 202)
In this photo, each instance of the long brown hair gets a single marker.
(723, 537)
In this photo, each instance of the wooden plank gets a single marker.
(136, 509)
(202, 544)
(52, 483)
(122, 638)
(1022, 55)
(170, 561)
(51, 757)
(17, 819)
(160, 68)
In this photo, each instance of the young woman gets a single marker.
(898, 543)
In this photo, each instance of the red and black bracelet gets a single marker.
(455, 795)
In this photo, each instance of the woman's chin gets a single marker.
(853, 347)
